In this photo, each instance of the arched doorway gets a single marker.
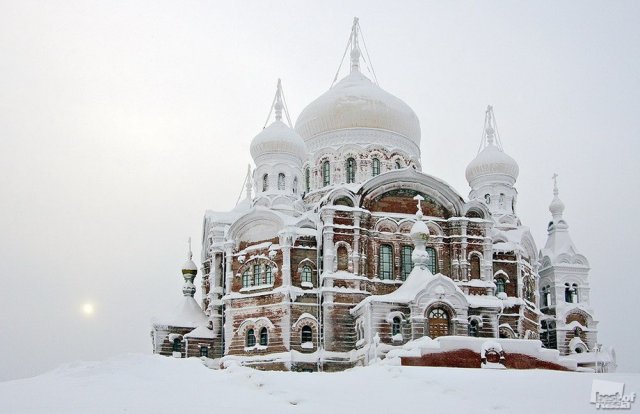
(438, 321)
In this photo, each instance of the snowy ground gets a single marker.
(154, 384)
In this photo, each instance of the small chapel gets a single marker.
(343, 250)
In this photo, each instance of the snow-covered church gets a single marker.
(344, 250)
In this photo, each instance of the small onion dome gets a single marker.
(419, 231)
(356, 102)
(189, 267)
(278, 138)
(492, 164)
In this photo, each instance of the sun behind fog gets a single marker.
(88, 309)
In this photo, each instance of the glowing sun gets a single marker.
(88, 309)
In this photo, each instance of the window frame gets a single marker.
(306, 275)
(250, 338)
(375, 167)
(385, 272)
(406, 263)
(306, 330)
(326, 173)
(264, 337)
(351, 170)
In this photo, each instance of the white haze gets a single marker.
(122, 121)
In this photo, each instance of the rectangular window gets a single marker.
(204, 351)
(407, 264)
(268, 275)
(246, 280)
(326, 179)
(433, 260)
(385, 270)
(257, 277)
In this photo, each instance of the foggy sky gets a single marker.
(121, 122)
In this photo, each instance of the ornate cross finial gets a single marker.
(355, 47)
(555, 183)
(190, 255)
(278, 104)
(488, 124)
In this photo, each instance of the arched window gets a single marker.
(385, 265)
(307, 334)
(176, 345)
(326, 177)
(395, 326)
(438, 323)
(307, 179)
(268, 275)
(281, 181)
(351, 170)
(306, 274)
(432, 264)
(295, 186)
(475, 267)
(246, 279)
(265, 182)
(473, 327)
(375, 167)
(398, 165)
(546, 296)
(407, 264)
(487, 199)
(264, 337)
(343, 258)
(257, 279)
(251, 338)
(500, 285)
(568, 295)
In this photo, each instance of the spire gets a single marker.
(557, 206)
(189, 272)
(247, 181)
(278, 105)
(419, 234)
(190, 254)
(355, 47)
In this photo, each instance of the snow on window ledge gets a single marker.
(256, 287)
(359, 343)
(397, 338)
(255, 348)
(306, 345)
(306, 284)
(176, 354)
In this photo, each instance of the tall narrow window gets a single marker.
(246, 279)
(281, 181)
(264, 337)
(574, 293)
(307, 334)
(475, 267)
(568, 296)
(375, 167)
(204, 351)
(176, 346)
(473, 327)
(395, 326)
(265, 182)
(432, 264)
(307, 180)
(268, 275)
(306, 274)
(343, 258)
(398, 165)
(407, 264)
(326, 178)
(257, 279)
(500, 285)
(251, 338)
(295, 186)
(385, 267)
(351, 170)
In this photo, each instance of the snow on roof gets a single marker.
(201, 332)
(483, 301)
(187, 314)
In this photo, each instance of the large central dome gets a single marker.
(356, 102)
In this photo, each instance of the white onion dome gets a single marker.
(278, 138)
(557, 206)
(492, 163)
(356, 102)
